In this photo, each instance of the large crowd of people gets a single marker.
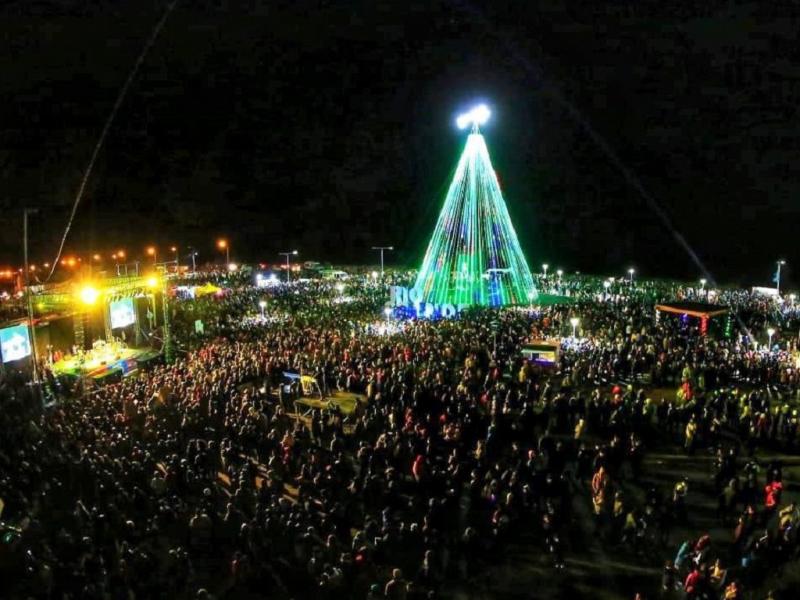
(205, 479)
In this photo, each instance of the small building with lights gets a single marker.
(703, 311)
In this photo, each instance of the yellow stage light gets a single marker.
(89, 295)
(152, 282)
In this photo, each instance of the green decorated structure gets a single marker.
(474, 256)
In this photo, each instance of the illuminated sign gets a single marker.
(412, 299)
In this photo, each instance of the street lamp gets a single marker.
(288, 266)
(262, 304)
(574, 321)
(606, 284)
(559, 273)
(222, 244)
(531, 296)
(151, 251)
(544, 269)
(388, 312)
(703, 284)
(631, 272)
(177, 261)
(381, 249)
(770, 333)
(780, 263)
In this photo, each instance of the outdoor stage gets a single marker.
(104, 361)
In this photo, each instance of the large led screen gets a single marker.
(122, 313)
(15, 343)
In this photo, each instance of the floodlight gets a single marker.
(89, 295)
(479, 115)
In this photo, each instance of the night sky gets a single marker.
(328, 127)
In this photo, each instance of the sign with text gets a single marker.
(411, 298)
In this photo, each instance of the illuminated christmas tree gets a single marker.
(474, 256)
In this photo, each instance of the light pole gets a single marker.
(544, 269)
(262, 304)
(118, 256)
(28, 295)
(388, 312)
(631, 272)
(157, 284)
(381, 249)
(223, 244)
(177, 258)
(560, 273)
(288, 266)
(574, 321)
(780, 263)
(770, 333)
(151, 251)
(531, 296)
